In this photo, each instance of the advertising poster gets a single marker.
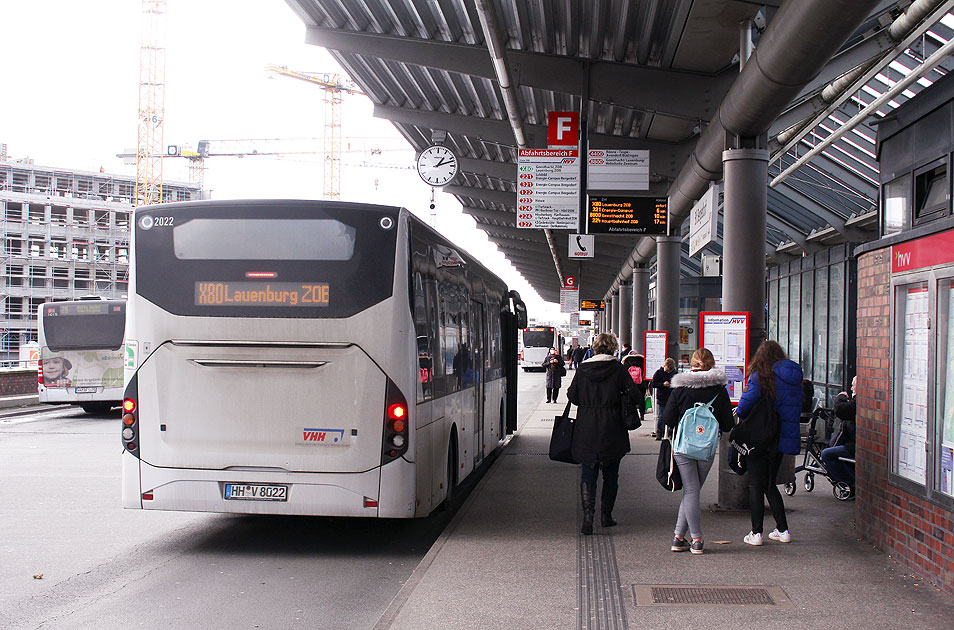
(655, 349)
(726, 336)
(912, 434)
(82, 369)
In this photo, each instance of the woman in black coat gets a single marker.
(555, 366)
(662, 384)
(600, 438)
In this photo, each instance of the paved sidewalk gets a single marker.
(20, 400)
(513, 557)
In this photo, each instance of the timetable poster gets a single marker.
(726, 336)
(912, 434)
(655, 349)
(947, 419)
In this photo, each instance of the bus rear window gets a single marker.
(538, 337)
(84, 326)
(264, 239)
(265, 258)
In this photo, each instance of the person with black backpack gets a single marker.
(773, 376)
(703, 386)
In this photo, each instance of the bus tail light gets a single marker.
(370, 503)
(521, 355)
(395, 424)
(130, 430)
(39, 371)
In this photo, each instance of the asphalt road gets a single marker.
(71, 557)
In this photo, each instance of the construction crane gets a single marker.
(333, 85)
(152, 77)
(276, 147)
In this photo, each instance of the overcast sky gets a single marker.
(70, 100)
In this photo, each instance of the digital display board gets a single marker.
(592, 305)
(91, 308)
(627, 215)
(585, 322)
(213, 293)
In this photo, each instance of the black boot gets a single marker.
(588, 492)
(607, 501)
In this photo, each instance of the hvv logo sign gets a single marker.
(929, 251)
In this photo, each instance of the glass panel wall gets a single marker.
(945, 387)
(811, 304)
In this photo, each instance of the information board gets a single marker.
(617, 169)
(627, 215)
(592, 305)
(655, 349)
(548, 189)
(703, 219)
(726, 335)
(912, 435)
(569, 300)
(946, 482)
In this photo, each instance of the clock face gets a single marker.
(437, 165)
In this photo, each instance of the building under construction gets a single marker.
(65, 234)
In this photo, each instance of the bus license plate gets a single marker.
(85, 390)
(255, 492)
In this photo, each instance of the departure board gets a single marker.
(592, 305)
(627, 215)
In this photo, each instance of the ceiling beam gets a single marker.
(500, 197)
(682, 94)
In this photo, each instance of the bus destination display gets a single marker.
(261, 294)
(627, 215)
(91, 308)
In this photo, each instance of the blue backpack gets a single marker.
(697, 435)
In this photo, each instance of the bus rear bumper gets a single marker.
(309, 494)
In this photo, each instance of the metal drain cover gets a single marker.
(701, 595)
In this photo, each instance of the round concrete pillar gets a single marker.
(626, 314)
(743, 272)
(668, 251)
(640, 307)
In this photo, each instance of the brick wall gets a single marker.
(913, 530)
(17, 382)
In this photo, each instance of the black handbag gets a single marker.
(758, 431)
(632, 413)
(561, 440)
(667, 473)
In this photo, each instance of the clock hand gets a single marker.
(442, 162)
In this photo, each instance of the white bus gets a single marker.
(537, 341)
(307, 357)
(81, 353)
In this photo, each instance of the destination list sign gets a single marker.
(627, 215)
(548, 189)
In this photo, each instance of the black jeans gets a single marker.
(762, 470)
(610, 474)
(552, 393)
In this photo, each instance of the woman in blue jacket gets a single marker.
(772, 374)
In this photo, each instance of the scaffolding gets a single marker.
(65, 234)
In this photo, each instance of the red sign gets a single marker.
(563, 129)
(936, 249)
(569, 282)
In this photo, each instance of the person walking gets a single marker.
(771, 374)
(635, 364)
(662, 385)
(579, 354)
(555, 368)
(704, 384)
(600, 438)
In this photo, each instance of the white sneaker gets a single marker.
(753, 539)
(784, 537)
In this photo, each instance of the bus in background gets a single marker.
(310, 358)
(81, 353)
(537, 341)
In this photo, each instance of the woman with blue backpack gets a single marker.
(774, 376)
(698, 408)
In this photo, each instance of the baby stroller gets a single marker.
(812, 462)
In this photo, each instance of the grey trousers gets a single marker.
(693, 473)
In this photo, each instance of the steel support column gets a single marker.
(612, 305)
(743, 279)
(668, 251)
(625, 314)
(641, 310)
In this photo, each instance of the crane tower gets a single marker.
(152, 76)
(333, 86)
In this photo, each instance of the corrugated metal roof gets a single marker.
(657, 70)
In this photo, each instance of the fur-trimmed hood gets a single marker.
(700, 379)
